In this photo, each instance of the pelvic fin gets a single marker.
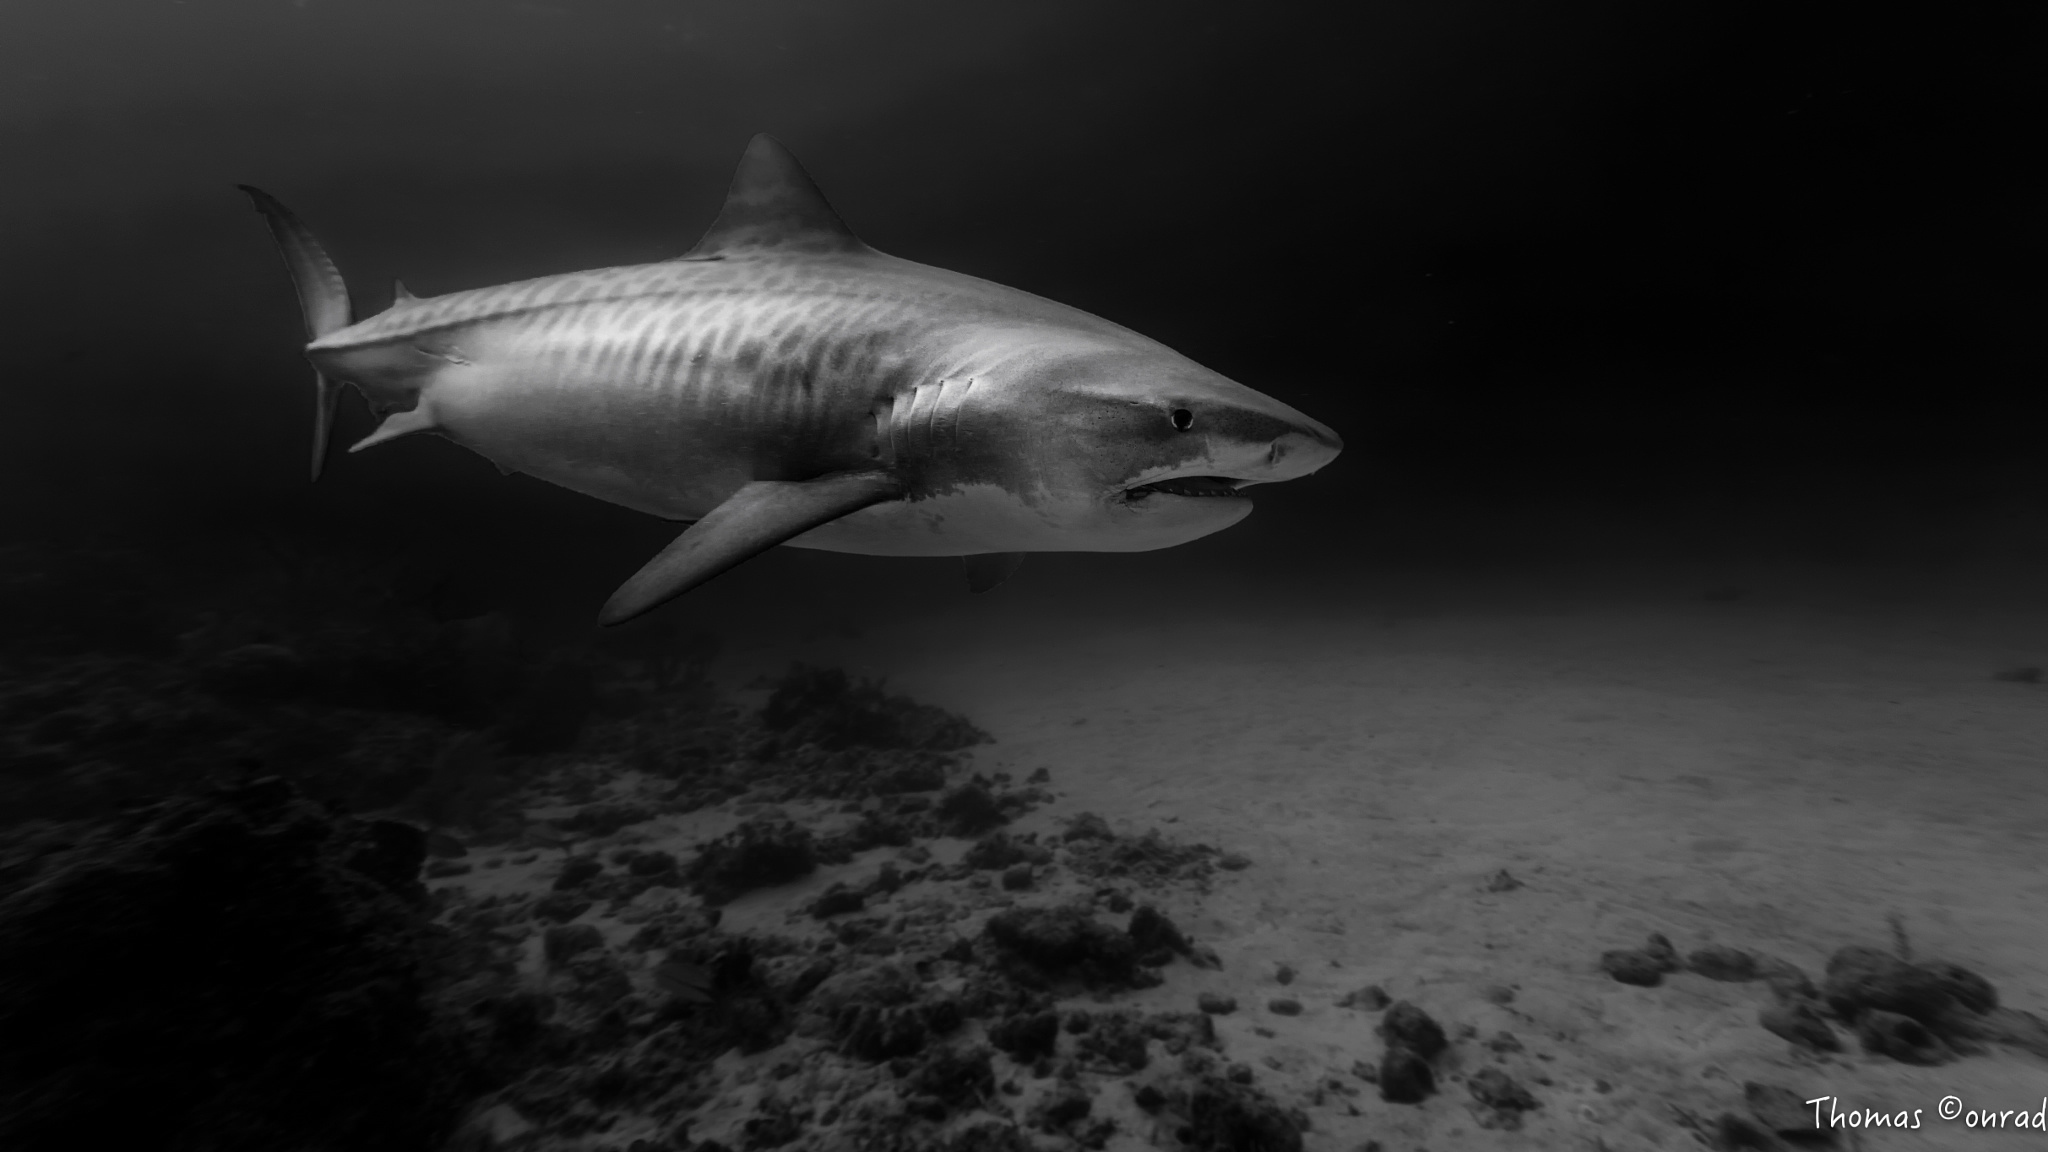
(415, 419)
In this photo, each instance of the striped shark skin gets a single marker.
(784, 383)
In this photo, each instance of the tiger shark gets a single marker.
(784, 383)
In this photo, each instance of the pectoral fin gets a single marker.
(990, 569)
(754, 519)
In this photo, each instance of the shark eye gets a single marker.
(1183, 419)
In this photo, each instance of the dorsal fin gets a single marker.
(773, 203)
(399, 295)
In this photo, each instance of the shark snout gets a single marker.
(1267, 447)
(1301, 450)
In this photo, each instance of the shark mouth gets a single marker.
(1186, 486)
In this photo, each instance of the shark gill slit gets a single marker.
(880, 448)
(953, 408)
(899, 423)
(920, 420)
(935, 412)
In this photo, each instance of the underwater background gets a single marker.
(1682, 580)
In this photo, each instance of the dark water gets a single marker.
(1614, 304)
(1508, 248)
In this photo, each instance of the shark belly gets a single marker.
(967, 521)
(977, 519)
(597, 437)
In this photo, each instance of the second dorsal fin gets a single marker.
(773, 204)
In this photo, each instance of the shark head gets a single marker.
(1132, 447)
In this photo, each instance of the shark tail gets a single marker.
(323, 300)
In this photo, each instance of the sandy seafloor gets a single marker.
(1779, 760)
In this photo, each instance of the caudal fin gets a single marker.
(323, 299)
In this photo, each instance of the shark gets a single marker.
(783, 383)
